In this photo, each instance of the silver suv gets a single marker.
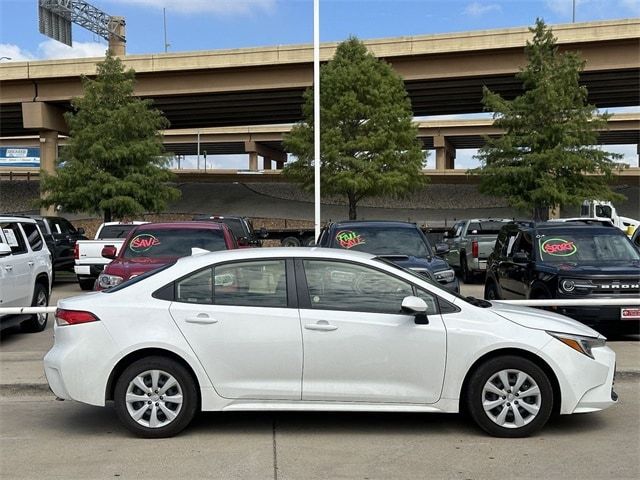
(25, 272)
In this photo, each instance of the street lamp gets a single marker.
(6, 58)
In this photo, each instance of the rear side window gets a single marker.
(33, 236)
(14, 237)
(261, 283)
(484, 228)
(173, 242)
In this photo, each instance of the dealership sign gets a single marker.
(19, 157)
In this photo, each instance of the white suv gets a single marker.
(25, 272)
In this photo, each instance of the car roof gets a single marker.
(274, 253)
(187, 224)
(374, 223)
(16, 218)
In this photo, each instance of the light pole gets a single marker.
(6, 58)
(316, 112)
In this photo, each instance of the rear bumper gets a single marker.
(89, 270)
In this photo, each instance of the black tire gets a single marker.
(512, 402)
(290, 242)
(37, 322)
(86, 283)
(491, 291)
(309, 241)
(467, 276)
(185, 384)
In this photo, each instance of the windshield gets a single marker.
(173, 242)
(382, 241)
(115, 231)
(585, 247)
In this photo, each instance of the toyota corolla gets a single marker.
(318, 330)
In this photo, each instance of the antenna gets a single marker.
(56, 16)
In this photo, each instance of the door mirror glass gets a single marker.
(80, 231)
(4, 250)
(262, 233)
(109, 252)
(243, 242)
(442, 248)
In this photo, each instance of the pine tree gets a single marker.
(548, 155)
(369, 144)
(113, 163)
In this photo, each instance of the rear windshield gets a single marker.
(586, 247)
(484, 228)
(173, 242)
(138, 278)
(382, 241)
(115, 231)
(235, 225)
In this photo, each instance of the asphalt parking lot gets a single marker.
(42, 437)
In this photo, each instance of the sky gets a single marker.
(223, 24)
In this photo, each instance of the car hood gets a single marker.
(126, 268)
(433, 264)
(541, 319)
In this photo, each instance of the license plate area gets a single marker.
(630, 313)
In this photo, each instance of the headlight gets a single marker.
(423, 272)
(107, 281)
(579, 343)
(570, 285)
(445, 276)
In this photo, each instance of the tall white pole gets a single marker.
(316, 111)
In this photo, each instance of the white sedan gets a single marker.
(321, 330)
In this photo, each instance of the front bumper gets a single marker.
(596, 315)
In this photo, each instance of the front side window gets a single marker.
(173, 242)
(33, 236)
(260, 283)
(382, 241)
(345, 286)
(14, 237)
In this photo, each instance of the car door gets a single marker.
(242, 321)
(508, 289)
(358, 345)
(16, 282)
(453, 241)
(64, 239)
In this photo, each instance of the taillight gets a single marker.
(474, 248)
(74, 317)
(76, 252)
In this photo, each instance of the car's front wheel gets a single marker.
(510, 396)
(155, 397)
(38, 321)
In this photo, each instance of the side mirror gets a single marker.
(262, 233)
(109, 252)
(442, 248)
(417, 307)
(520, 257)
(445, 235)
(243, 242)
(80, 231)
(4, 250)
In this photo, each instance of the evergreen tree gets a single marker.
(550, 143)
(113, 163)
(369, 142)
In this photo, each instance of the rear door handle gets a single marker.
(31, 264)
(321, 325)
(201, 319)
(8, 268)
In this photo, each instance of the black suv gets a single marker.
(571, 260)
(241, 227)
(402, 243)
(60, 236)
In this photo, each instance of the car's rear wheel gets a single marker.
(38, 321)
(510, 396)
(155, 397)
(291, 242)
(467, 276)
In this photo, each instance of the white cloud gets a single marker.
(14, 53)
(222, 7)
(477, 9)
(50, 49)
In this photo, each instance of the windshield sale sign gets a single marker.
(19, 157)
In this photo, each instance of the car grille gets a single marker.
(616, 287)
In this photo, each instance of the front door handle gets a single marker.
(201, 319)
(31, 264)
(8, 268)
(321, 325)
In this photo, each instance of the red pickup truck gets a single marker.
(154, 245)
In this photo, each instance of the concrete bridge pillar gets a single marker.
(266, 163)
(254, 149)
(253, 161)
(279, 165)
(117, 43)
(445, 153)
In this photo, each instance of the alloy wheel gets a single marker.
(41, 301)
(154, 398)
(511, 398)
